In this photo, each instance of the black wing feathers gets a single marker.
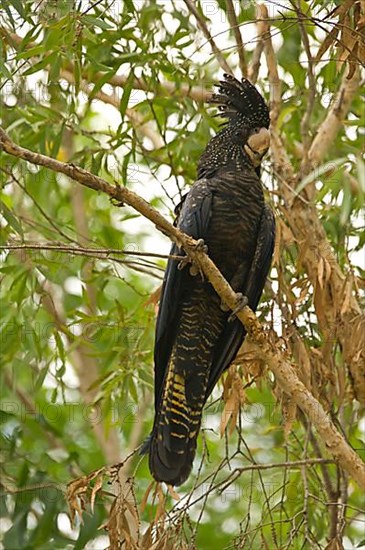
(262, 259)
(234, 333)
(193, 219)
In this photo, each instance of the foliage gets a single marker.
(118, 88)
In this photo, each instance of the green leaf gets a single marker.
(318, 172)
(31, 52)
(60, 346)
(129, 6)
(42, 64)
(57, 141)
(346, 204)
(361, 173)
(100, 82)
(3, 67)
(77, 74)
(17, 5)
(12, 220)
(6, 6)
(40, 379)
(95, 22)
(126, 94)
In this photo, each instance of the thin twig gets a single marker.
(140, 266)
(83, 250)
(38, 206)
(221, 486)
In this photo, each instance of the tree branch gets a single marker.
(275, 83)
(262, 28)
(110, 254)
(202, 24)
(103, 253)
(331, 125)
(284, 371)
(232, 18)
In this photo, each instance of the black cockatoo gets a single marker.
(195, 338)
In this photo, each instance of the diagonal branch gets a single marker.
(275, 83)
(233, 21)
(262, 28)
(285, 373)
(333, 122)
(202, 24)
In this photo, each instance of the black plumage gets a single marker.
(195, 341)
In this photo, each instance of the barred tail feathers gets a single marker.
(180, 405)
(174, 437)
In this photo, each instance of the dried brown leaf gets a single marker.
(75, 496)
(145, 496)
(335, 544)
(121, 523)
(327, 43)
(114, 526)
(227, 413)
(173, 493)
(227, 385)
(97, 486)
(290, 413)
(327, 270)
(160, 510)
(76, 493)
(154, 298)
(235, 398)
(146, 542)
(320, 272)
(352, 69)
(132, 507)
(277, 247)
(342, 8)
(250, 361)
(350, 46)
(304, 291)
(354, 354)
(346, 299)
(284, 238)
(360, 24)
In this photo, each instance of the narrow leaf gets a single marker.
(317, 172)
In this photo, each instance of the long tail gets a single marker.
(174, 436)
(183, 393)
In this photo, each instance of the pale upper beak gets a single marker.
(257, 146)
